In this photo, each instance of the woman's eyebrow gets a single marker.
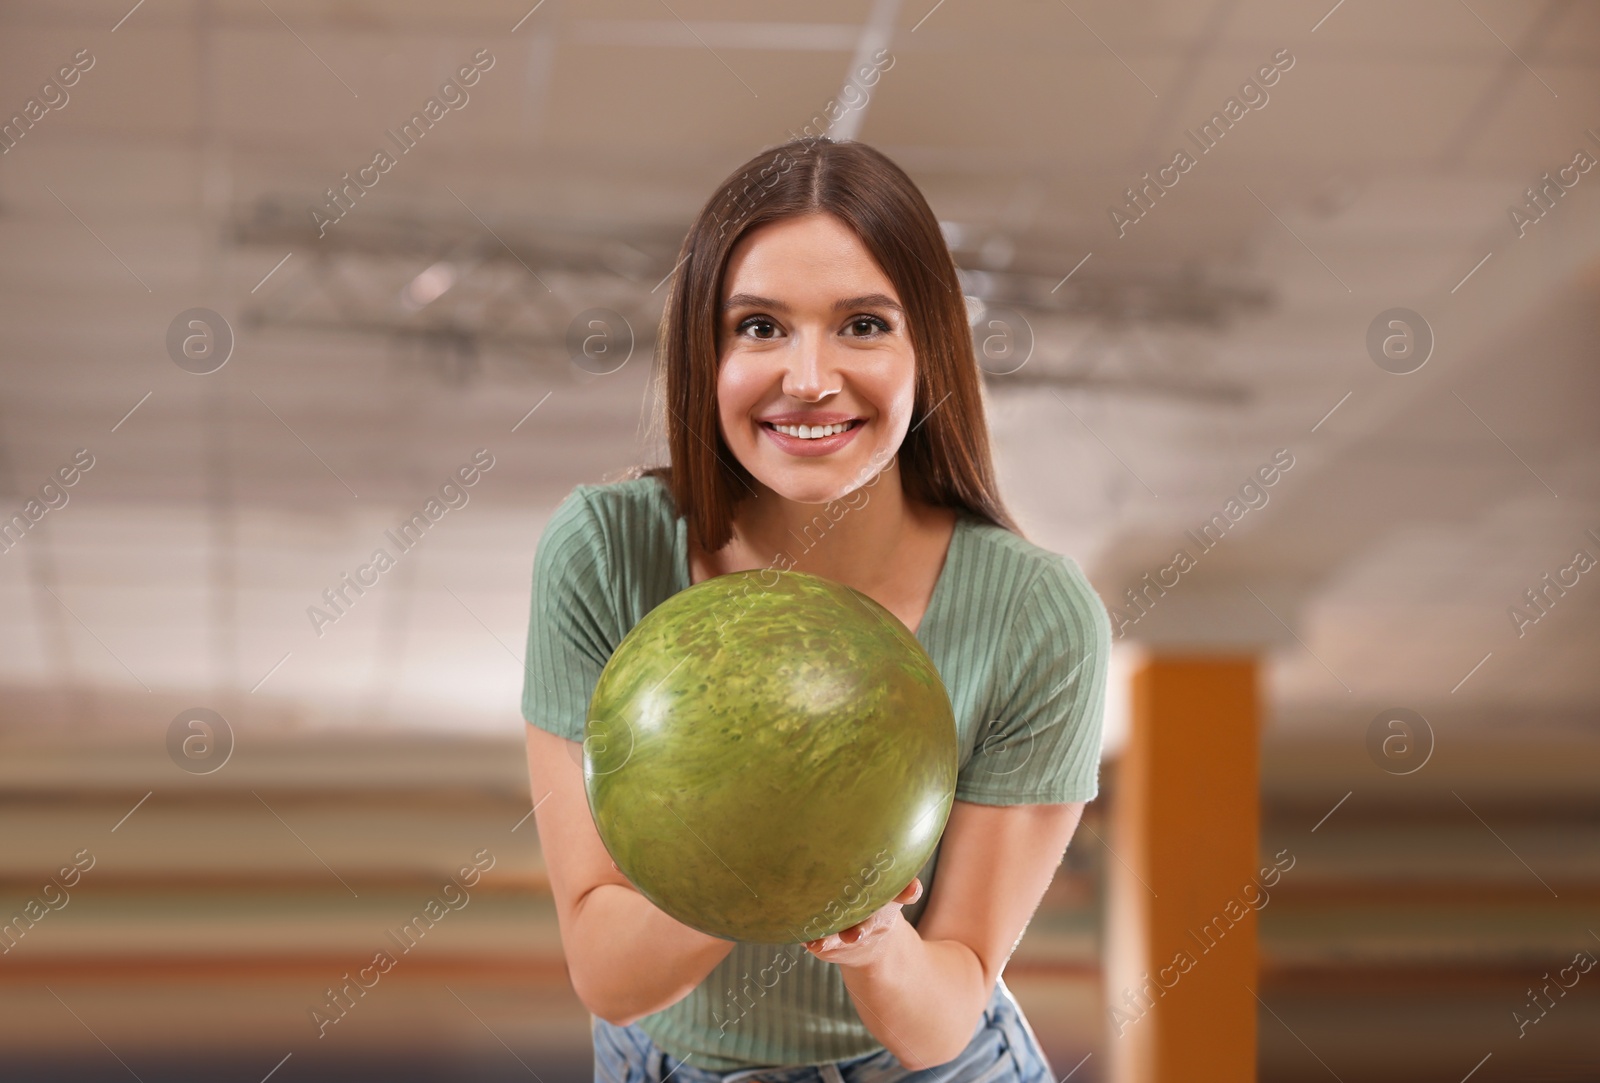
(750, 300)
(869, 300)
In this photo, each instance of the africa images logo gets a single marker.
(451, 97)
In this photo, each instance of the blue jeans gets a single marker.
(1002, 1050)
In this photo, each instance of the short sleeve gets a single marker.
(572, 625)
(1041, 744)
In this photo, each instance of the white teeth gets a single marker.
(811, 432)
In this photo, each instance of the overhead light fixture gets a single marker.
(428, 286)
(997, 252)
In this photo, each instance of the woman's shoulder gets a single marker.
(1028, 574)
(627, 505)
(623, 535)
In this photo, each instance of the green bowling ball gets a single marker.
(770, 756)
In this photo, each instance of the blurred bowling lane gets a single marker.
(221, 909)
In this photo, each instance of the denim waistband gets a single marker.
(1011, 1034)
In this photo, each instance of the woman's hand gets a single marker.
(863, 942)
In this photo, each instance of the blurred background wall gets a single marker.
(1197, 239)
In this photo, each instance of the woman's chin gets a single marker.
(811, 495)
(835, 484)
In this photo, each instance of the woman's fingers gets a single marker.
(872, 924)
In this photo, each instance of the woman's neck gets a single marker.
(860, 540)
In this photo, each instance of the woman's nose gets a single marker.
(809, 372)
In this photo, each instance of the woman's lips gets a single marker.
(822, 445)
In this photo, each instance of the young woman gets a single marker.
(824, 413)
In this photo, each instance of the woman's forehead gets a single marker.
(812, 259)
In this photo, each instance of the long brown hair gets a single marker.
(944, 458)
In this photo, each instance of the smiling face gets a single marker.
(811, 338)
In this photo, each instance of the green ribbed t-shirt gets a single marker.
(1019, 637)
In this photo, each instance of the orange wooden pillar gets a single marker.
(1184, 889)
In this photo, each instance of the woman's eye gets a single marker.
(755, 322)
(864, 326)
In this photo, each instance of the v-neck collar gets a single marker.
(685, 574)
(939, 589)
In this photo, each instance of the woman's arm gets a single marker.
(921, 989)
(626, 957)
